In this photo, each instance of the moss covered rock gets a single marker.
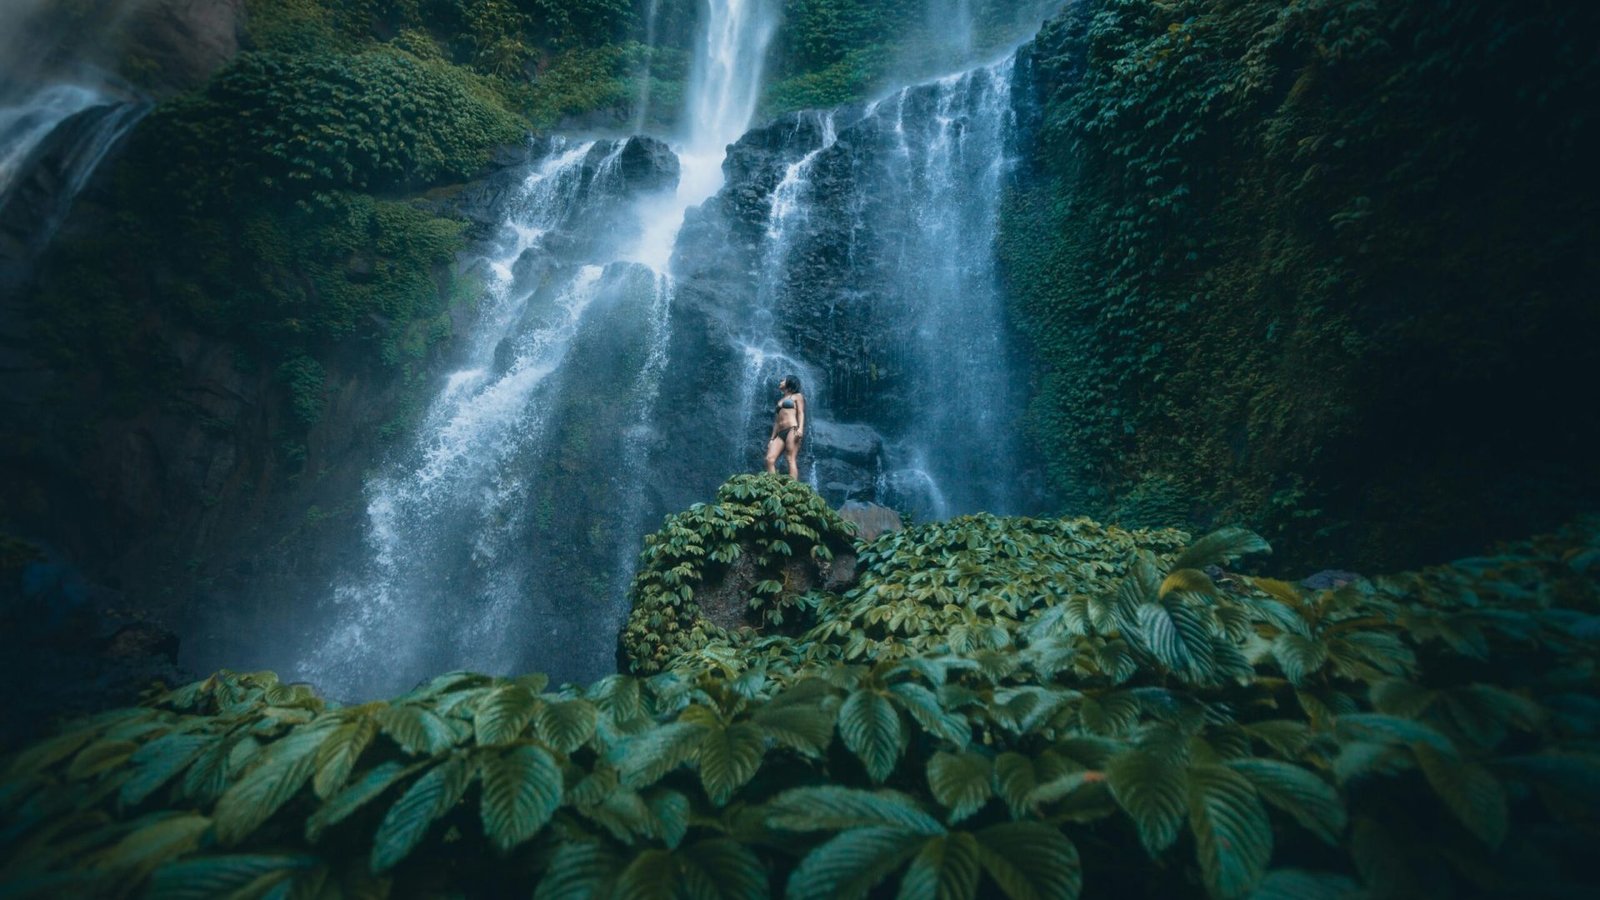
(748, 563)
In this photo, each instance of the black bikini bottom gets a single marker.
(783, 434)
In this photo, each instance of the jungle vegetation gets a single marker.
(1321, 266)
(999, 707)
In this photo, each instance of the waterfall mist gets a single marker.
(503, 538)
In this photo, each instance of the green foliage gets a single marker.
(1274, 243)
(761, 546)
(1436, 745)
(310, 122)
(833, 52)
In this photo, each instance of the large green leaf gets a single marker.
(580, 868)
(360, 792)
(1475, 796)
(521, 791)
(1232, 835)
(503, 713)
(1299, 656)
(852, 863)
(645, 758)
(429, 797)
(961, 781)
(1572, 774)
(669, 815)
(158, 762)
(418, 730)
(652, 875)
(283, 767)
(832, 808)
(162, 837)
(1382, 729)
(805, 729)
(336, 759)
(871, 728)
(1221, 547)
(729, 758)
(1297, 884)
(1031, 861)
(1015, 779)
(1312, 801)
(1153, 792)
(946, 868)
(566, 725)
(209, 877)
(923, 704)
(727, 866)
(100, 757)
(47, 753)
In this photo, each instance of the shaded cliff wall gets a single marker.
(1327, 269)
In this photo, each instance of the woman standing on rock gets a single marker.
(788, 427)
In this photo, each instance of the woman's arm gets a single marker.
(800, 415)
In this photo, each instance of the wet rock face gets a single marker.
(871, 520)
(185, 40)
(638, 165)
(856, 249)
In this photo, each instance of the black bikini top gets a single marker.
(786, 403)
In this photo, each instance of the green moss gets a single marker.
(304, 379)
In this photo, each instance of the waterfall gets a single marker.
(503, 537)
(60, 112)
(858, 251)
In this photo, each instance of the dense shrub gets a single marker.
(380, 119)
(1178, 730)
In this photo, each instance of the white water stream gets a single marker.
(451, 579)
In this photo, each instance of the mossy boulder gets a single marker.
(750, 563)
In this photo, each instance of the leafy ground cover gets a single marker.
(1128, 715)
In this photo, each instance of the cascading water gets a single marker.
(870, 256)
(57, 120)
(504, 538)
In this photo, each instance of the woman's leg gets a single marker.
(774, 449)
(792, 446)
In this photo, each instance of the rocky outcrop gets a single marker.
(870, 519)
(178, 44)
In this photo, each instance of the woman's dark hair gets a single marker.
(792, 382)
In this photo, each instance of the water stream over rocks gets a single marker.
(641, 301)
